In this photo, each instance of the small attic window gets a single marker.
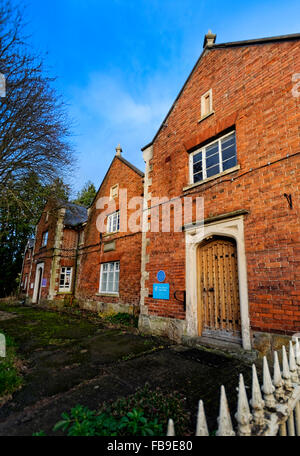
(114, 191)
(206, 104)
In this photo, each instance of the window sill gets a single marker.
(115, 295)
(110, 234)
(224, 173)
(206, 116)
(60, 292)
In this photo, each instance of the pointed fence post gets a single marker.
(257, 402)
(243, 415)
(268, 388)
(297, 353)
(292, 364)
(291, 424)
(171, 430)
(286, 371)
(201, 429)
(224, 420)
(277, 379)
(297, 417)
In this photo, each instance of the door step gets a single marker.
(227, 348)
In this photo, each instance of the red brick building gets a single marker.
(229, 274)
(49, 264)
(232, 137)
(110, 258)
(72, 257)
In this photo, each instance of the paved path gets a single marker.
(96, 366)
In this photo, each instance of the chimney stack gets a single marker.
(118, 150)
(209, 39)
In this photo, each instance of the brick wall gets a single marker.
(252, 91)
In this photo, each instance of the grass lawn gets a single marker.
(10, 377)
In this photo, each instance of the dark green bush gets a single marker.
(155, 404)
(85, 422)
(144, 413)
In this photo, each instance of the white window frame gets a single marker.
(63, 287)
(203, 113)
(113, 219)
(25, 282)
(115, 269)
(203, 150)
(112, 189)
(45, 238)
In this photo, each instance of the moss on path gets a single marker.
(72, 360)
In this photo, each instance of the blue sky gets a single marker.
(120, 63)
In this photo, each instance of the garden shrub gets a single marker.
(85, 422)
(144, 413)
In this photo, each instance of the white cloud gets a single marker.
(107, 100)
(107, 112)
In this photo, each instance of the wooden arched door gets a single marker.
(218, 289)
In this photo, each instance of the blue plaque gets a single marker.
(44, 282)
(161, 291)
(161, 275)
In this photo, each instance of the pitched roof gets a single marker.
(75, 214)
(272, 39)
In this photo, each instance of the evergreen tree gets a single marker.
(86, 196)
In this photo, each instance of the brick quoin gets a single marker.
(252, 93)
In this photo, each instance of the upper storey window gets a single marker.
(206, 104)
(214, 158)
(113, 222)
(45, 239)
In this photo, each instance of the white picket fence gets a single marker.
(275, 412)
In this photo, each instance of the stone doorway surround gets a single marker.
(230, 225)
